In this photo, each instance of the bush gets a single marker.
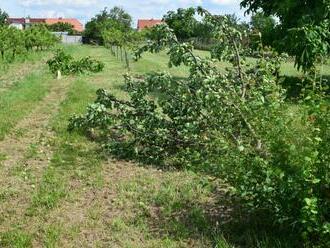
(235, 125)
(67, 65)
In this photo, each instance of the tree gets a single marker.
(265, 25)
(303, 30)
(4, 40)
(3, 18)
(120, 42)
(116, 18)
(61, 27)
(182, 21)
(231, 123)
(121, 18)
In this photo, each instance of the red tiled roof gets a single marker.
(74, 22)
(16, 20)
(25, 20)
(142, 24)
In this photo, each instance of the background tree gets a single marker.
(265, 25)
(3, 17)
(182, 21)
(303, 29)
(120, 18)
(116, 18)
(61, 27)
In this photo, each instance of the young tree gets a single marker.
(3, 18)
(4, 40)
(16, 38)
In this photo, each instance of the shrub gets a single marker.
(235, 125)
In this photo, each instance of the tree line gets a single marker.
(300, 29)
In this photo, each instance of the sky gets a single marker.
(84, 10)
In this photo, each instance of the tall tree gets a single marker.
(116, 18)
(121, 18)
(3, 17)
(265, 25)
(182, 22)
(304, 28)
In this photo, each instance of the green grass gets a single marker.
(30, 58)
(20, 100)
(86, 199)
(15, 239)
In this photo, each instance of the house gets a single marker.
(23, 23)
(144, 23)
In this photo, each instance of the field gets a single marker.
(58, 189)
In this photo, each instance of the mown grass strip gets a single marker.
(69, 148)
(20, 100)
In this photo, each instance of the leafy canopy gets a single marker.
(61, 27)
(304, 27)
(116, 18)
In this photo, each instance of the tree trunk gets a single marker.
(126, 59)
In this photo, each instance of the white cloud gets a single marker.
(77, 3)
(85, 9)
(226, 2)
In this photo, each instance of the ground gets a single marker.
(59, 189)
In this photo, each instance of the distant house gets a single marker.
(77, 26)
(23, 23)
(144, 23)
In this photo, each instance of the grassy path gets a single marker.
(26, 155)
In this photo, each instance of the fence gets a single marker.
(69, 39)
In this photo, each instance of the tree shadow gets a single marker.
(223, 219)
(294, 85)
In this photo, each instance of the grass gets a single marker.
(84, 198)
(30, 58)
(20, 100)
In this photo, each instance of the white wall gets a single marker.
(17, 25)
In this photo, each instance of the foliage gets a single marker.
(14, 41)
(183, 22)
(67, 65)
(117, 41)
(61, 27)
(235, 125)
(3, 17)
(304, 25)
(187, 27)
(314, 44)
(116, 19)
(265, 25)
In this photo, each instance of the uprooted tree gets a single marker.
(233, 124)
